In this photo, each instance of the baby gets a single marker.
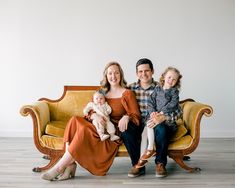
(101, 107)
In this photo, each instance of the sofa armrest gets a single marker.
(40, 114)
(192, 114)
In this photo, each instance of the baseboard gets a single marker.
(16, 134)
(218, 134)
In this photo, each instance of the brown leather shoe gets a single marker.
(161, 170)
(135, 172)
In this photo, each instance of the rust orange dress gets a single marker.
(85, 145)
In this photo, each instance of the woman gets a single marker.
(82, 141)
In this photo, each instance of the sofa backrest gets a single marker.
(72, 102)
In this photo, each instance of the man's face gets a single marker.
(144, 74)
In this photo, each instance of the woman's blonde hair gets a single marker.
(162, 78)
(105, 85)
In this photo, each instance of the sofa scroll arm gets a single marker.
(180, 155)
(39, 112)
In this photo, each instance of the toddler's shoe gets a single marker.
(141, 163)
(148, 154)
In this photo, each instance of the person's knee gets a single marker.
(125, 134)
(160, 128)
(160, 131)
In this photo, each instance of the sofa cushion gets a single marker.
(56, 128)
(181, 144)
(180, 132)
(52, 142)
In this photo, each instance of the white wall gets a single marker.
(46, 44)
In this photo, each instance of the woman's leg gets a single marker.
(59, 168)
(66, 159)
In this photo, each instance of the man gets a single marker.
(143, 88)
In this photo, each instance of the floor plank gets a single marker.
(216, 158)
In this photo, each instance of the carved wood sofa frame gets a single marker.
(178, 154)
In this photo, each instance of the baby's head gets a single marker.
(170, 78)
(98, 98)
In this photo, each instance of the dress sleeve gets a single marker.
(131, 106)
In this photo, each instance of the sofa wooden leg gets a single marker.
(47, 157)
(53, 161)
(181, 163)
(186, 158)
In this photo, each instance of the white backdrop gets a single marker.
(46, 44)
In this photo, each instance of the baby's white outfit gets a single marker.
(102, 110)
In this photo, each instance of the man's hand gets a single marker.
(123, 123)
(155, 119)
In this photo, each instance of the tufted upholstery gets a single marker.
(51, 116)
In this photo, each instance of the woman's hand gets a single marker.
(100, 119)
(123, 123)
(155, 119)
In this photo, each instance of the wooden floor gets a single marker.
(216, 158)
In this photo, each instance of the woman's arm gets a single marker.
(132, 111)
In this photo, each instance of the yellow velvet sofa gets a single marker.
(51, 116)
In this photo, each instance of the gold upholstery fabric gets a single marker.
(56, 128)
(180, 132)
(52, 142)
(180, 144)
(72, 104)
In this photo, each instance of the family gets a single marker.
(141, 115)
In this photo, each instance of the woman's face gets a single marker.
(113, 75)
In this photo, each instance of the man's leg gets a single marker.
(161, 140)
(162, 136)
(132, 138)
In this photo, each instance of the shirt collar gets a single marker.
(151, 86)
